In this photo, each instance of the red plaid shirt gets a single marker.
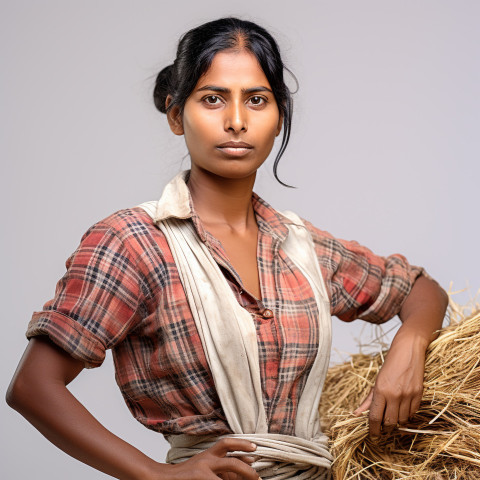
(122, 291)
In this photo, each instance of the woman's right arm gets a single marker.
(39, 392)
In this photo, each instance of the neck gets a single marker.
(222, 201)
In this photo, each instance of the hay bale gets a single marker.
(443, 439)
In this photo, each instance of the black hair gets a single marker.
(195, 53)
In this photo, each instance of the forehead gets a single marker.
(234, 68)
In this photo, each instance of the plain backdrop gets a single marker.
(384, 150)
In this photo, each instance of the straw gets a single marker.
(443, 439)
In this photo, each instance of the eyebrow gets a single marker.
(227, 90)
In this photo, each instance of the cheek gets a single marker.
(267, 127)
(197, 128)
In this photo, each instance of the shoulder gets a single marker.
(128, 222)
(316, 232)
(337, 254)
(328, 241)
(132, 229)
(324, 241)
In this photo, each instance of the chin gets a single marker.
(232, 169)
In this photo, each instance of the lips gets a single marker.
(234, 145)
(235, 149)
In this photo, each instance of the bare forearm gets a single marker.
(39, 392)
(398, 388)
(63, 420)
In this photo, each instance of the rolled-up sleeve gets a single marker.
(361, 284)
(96, 302)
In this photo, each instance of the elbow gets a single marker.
(442, 295)
(21, 394)
(41, 374)
(16, 394)
(445, 297)
(432, 288)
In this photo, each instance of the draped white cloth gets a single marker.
(228, 336)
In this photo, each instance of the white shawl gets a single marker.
(229, 340)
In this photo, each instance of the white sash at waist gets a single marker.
(279, 457)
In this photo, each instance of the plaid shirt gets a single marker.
(122, 291)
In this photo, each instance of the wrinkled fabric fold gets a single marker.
(280, 456)
(228, 336)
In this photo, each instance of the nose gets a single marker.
(236, 117)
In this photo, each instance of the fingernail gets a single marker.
(254, 446)
(375, 438)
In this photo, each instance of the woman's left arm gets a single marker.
(398, 389)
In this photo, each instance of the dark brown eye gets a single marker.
(211, 99)
(257, 100)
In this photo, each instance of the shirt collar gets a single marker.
(176, 201)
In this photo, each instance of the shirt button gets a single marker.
(267, 313)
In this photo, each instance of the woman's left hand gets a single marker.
(398, 389)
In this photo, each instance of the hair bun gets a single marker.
(162, 88)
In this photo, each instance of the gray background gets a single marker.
(384, 150)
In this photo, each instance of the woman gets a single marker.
(216, 306)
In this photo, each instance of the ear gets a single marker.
(174, 118)
(279, 126)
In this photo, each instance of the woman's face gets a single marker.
(232, 102)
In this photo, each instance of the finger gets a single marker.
(248, 459)
(404, 412)
(225, 445)
(415, 405)
(211, 476)
(229, 476)
(234, 465)
(375, 416)
(365, 405)
(390, 417)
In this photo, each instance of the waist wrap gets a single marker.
(278, 456)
